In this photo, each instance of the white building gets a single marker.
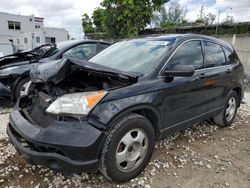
(27, 32)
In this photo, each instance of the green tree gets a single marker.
(174, 14)
(205, 19)
(228, 20)
(201, 16)
(200, 21)
(126, 18)
(210, 18)
(87, 24)
(98, 18)
(169, 17)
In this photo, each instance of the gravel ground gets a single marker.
(202, 156)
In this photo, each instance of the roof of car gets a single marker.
(176, 36)
(183, 37)
(70, 43)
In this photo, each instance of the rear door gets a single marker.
(216, 75)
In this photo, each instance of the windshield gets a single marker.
(135, 56)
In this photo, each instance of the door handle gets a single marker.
(202, 75)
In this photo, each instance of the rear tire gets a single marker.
(128, 148)
(227, 115)
(19, 87)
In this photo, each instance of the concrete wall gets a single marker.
(241, 43)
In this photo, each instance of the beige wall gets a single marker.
(241, 43)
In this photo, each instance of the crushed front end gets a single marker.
(68, 145)
(62, 138)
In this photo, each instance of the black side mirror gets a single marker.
(179, 70)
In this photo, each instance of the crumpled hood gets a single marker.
(25, 57)
(56, 71)
(18, 59)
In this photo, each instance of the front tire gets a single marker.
(19, 88)
(128, 148)
(227, 115)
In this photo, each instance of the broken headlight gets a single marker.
(76, 103)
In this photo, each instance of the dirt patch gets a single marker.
(202, 156)
(4, 119)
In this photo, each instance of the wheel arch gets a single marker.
(239, 93)
(145, 110)
(15, 83)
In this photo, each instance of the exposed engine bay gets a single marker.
(79, 81)
(66, 78)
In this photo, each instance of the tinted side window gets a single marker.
(214, 55)
(83, 51)
(230, 57)
(190, 53)
(102, 46)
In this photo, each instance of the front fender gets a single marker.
(109, 110)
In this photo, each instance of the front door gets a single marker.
(184, 97)
(217, 76)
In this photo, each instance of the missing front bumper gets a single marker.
(65, 146)
(52, 160)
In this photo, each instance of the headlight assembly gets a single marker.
(76, 103)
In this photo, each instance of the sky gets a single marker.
(239, 9)
(67, 13)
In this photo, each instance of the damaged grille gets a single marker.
(34, 110)
(38, 113)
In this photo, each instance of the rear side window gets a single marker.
(190, 53)
(214, 55)
(230, 57)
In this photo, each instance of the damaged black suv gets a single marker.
(106, 114)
